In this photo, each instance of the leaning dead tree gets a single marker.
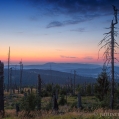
(1, 88)
(110, 46)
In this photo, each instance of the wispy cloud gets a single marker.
(62, 56)
(67, 22)
(78, 30)
(88, 58)
(54, 24)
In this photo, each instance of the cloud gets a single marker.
(76, 6)
(77, 10)
(62, 56)
(66, 22)
(54, 24)
(88, 58)
(75, 20)
(79, 30)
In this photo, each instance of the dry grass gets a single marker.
(75, 114)
(65, 112)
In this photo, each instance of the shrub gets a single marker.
(62, 100)
(30, 102)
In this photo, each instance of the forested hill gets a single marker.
(30, 76)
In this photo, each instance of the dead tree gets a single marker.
(21, 71)
(39, 91)
(10, 81)
(85, 88)
(55, 104)
(13, 88)
(66, 90)
(56, 93)
(1, 88)
(79, 104)
(110, 51)
(71, 86)
(17, 109)
(39, 85)
(74, 81)
(36, 87)
(8, 70)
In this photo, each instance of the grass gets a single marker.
(97, 114)
(65, 112)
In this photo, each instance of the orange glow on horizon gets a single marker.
(44, 56)
(52, 59)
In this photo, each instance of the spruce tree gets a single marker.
(102, 85)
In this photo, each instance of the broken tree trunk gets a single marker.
(39, 85)
(10, 82)
(2, 88)
(39, 92)
(55, 104)
(8, 69)
(79, 105)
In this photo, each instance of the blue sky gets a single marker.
(40, 31)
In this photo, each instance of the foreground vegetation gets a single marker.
(97, 114)
(91, 108)
(94, 103)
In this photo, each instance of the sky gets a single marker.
(40, 31)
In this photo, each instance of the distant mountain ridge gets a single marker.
(55, 66)
(80, 65)
(88, 70)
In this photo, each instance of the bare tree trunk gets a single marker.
(112, 64)
(8, 69)
(1, 88)
(39, 85)
(10, 86)
(55, 104)
(71, 86)
(21, 71)
(39, 91)
(74, 81)
(79, 105)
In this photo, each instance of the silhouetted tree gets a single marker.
(1, 88)
(102, 86)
